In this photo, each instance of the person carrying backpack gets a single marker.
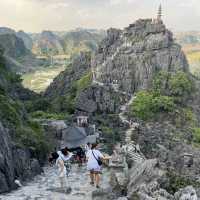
(94, 161)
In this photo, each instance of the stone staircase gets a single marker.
(133, 153)
(131, 150)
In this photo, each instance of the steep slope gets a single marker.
(18, 56)
(81, 39)
(190, 42)
(13, 46)
(130, 57)
(21, 140)
(125, 61)
(143, 64)
(5, 30)
(26, 38)
(47, 43)
(69, 43)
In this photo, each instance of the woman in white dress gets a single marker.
(64, 155)
(92, 156)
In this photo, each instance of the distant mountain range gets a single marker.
(22, 49)
(72, 42)
(190, 42)
(190, 37)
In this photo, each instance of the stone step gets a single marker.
(135, 158)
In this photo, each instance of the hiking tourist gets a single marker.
(94, 161)
(63, 156)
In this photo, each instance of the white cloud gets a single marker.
(118, 2)
(36, 15)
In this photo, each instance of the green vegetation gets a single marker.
(36, 104)
(185, 116)
(168, 91)
(45, 115)
(110, 131)
(169, 95)
(175, 182)
(31, 136)
(84, 82)
(193, 57)
(180, 86)
(24, 132)
(147, 104)
(66, 103)
(196, 135)
(10, 110)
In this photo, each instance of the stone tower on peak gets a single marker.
(159, 15)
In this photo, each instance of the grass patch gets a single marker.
(169, 91)
(175, 182)
(84, 82)
(53, 116)
(147, 105)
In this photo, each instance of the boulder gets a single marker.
(187, 193)
(105, 194)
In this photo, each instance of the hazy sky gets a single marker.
(37, 15)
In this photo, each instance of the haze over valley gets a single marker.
(110, 112)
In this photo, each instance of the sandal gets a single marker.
(91, 183)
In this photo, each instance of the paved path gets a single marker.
(46, 186)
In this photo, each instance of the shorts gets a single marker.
(95, 169)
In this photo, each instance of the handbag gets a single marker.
(98, 160)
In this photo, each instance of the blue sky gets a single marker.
(37, 15)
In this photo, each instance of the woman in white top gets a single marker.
(62, 172)
(92, 164)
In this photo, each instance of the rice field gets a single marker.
(193, 58)
(39, 80)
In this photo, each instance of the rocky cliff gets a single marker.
(144, 58)
(126, 61)
(131, 57)
(72, 90)
(68, 43)
(13, 46)
(47, 43)
(19, 57)
(21, 139)
(26, 38)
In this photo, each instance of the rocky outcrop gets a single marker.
(63, 83)
(187, 193)
(48, 43)
(13, 46)
(17, 159)
(15, 162)
(132, 56)
(6, 30)
(171, 144)
(26, 38)
(142, 181)
(68, 43)
(99, 99)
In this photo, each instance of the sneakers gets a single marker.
(97, 186)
